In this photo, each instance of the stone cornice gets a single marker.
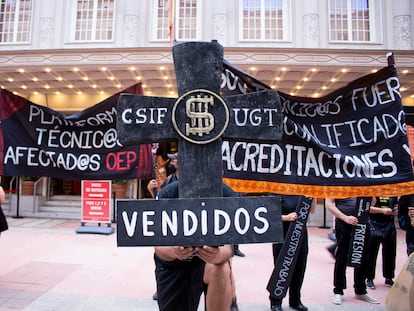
(160, 56)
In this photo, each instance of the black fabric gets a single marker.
(3, 221)
(384, 202)
(383, 233)
(343, 232)
(343, 235)
(347, 205)
(84, 145)
(388, 240)
(326, 140)
(404, 220)
(289, 204)
(409, 239)
(180, 282)
(298, 275)
(380, 230)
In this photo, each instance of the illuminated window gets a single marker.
(183, 20)
(354, 20)
(264, 20)
(94, 20)
(15, 21)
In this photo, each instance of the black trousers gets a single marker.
(3, 221)
(179, 284)
(389, 252)
(343, 233)
(409, 238)
(296, 282)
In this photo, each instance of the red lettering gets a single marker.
(120, 161)
(110, 161)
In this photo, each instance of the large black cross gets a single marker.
(198, 120)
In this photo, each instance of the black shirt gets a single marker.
(347, 205)
(384, 202)
(170, 191)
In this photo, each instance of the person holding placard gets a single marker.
(344, 211)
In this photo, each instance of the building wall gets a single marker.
(308, 26)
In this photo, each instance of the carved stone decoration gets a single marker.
(46, 34)
(311, 31)
(131, 30)
(402, 33)
(220, 27)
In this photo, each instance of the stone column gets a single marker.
(219, 16)
(311, 29)
(131, 23)
(402, 25)
(47, 25)
(130, 30)
(220, 27)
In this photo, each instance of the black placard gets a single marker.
(199, 221)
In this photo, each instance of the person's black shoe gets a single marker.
(332, 249)
(276, 308)
(234, 306)
(389, 282)
(237, 251)
(370, 284)
(299, 307)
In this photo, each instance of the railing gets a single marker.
(13, 181)
(132, 188)
(37, 184)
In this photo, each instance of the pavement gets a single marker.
(45, 265)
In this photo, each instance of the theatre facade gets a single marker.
(70, 55)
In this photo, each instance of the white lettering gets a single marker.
(130, 225)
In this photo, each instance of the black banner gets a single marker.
(282, 273)
(351, 142)
(409, 114)
(358, 243)
(36, 140)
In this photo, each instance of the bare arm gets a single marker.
(150, 187)
(378, 210)
(290, 217)
(313, 206)
(2, 195)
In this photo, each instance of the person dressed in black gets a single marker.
(344, 211)
(184, 273)
(406, 220)
(289, 215)
(3, 221)
(383, 233)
